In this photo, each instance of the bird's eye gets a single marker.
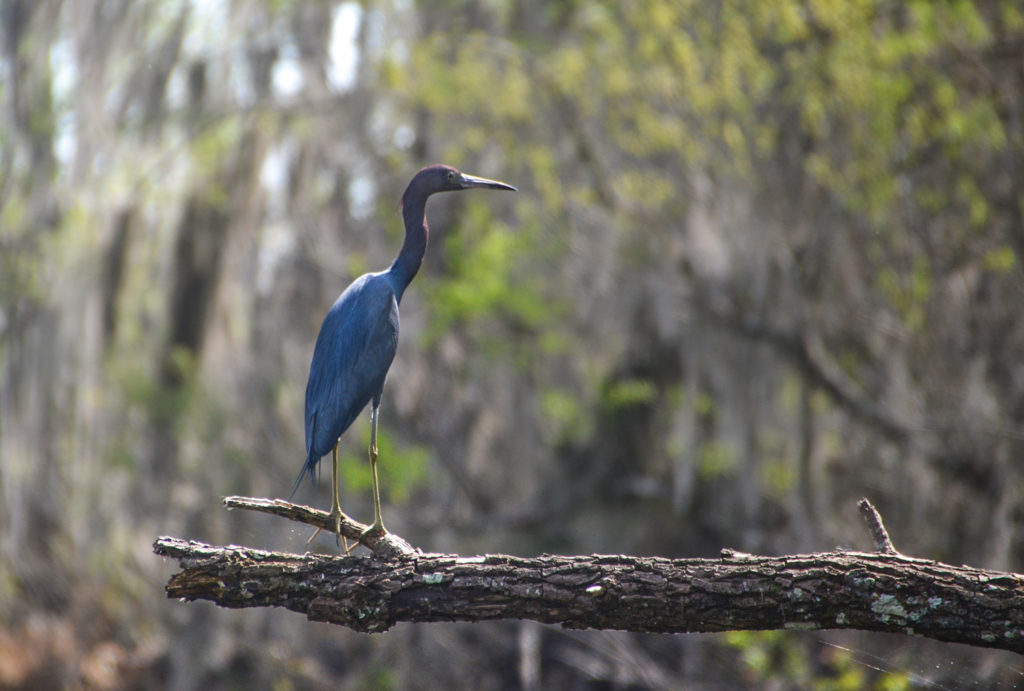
(451, 176)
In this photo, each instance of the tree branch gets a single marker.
(879, 534)
(833, 590)
(384, 546)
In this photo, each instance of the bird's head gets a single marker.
(441, 178)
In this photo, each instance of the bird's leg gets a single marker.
(335, 501)
(335, 498)
(378, 521)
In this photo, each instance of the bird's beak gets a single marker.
(471, 181)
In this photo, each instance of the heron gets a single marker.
(359, 337)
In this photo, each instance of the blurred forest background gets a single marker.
(765, 260)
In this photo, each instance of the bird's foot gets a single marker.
(337, 514)
(375, 530)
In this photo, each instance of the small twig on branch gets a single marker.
(882, 591)
(879, 534)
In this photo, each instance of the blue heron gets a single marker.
(359, 336)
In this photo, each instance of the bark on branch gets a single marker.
(883, 591)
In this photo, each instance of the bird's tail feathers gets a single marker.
(308, 468)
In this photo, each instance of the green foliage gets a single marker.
(1001, 260)
(378, 678)
(704, 405)
(568, 414)
(401, 468)
(626, 393)
(143, 389)
(356, 264)
(908, 295)
(20, 262)
(720, 93)
(778, 475)
(209, 151)
(482, 284)
(770, 656)
(881, 129)
(717, 458)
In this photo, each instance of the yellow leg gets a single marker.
(335, 500)
(378, 520)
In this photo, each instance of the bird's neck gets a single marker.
(409, 258)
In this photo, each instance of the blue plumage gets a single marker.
(353, 353)
(359, 337)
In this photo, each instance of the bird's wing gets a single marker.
(353, 352)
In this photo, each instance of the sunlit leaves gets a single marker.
(481, 282)
(778, 476)
(473, 75)
(717, 458)
(626, 393)
(769, 655)
(1000, 260)
(401, 468)
(1011, 16)
(908, 294)
(566, 416)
